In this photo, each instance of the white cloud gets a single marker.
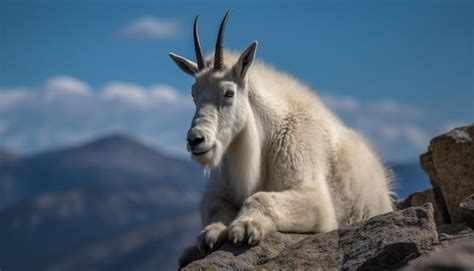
(394, 109)
(385, 107)
(341, 103)
(66, 85)
(417, 136)
(9, 98)
(163, 93)
(126, 93)
(66, 110)
(150, 28)
(399, 131)
(136, 95)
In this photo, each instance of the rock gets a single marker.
(451, 233)
(432, 196)
(454, 251)
(453, 229)
(467, 214)
(386, 241)
(450, 162)
(459, 256)
(245, 257)
(468, 203)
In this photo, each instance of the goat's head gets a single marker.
(221, 97)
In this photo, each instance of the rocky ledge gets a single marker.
(431, 230)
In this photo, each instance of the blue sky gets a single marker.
(398, 71)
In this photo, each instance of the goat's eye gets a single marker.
(229, 94)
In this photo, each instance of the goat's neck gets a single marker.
(244, 157)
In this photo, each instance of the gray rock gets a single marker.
(459, 256)
(451, 233)
(450, 162)
(244, 257)
(443, 257)
(467, 207)
(382, 242)
(468, 203)
(432, 196)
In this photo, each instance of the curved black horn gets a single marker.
(219, 51)
(197, 47)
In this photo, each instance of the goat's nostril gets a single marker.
(195, 141)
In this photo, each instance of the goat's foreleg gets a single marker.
(306, 209)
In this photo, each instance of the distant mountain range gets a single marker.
(109, 204)
(54, 228)
(6, 157)
(68, 202)
(152, 246)
(113, 160)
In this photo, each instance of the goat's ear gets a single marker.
(184, 64)
(245, 61)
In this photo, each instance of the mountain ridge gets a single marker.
(7, 156)
(114, 159)
(80, 196)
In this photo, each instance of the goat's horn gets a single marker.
(197, 46)
(219, 51)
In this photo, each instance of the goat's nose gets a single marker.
(195, 140)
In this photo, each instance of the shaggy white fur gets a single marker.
(278, 159)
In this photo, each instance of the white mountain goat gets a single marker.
(278, 159)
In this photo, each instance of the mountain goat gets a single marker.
(277, 158)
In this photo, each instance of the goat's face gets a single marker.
(221, 97)
(221, 112)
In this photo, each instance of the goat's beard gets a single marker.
(211, 158)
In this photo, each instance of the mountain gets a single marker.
(114, 159)
(7, 157)
(409, 178)
(107, 195)
(56, 228)
(153, 246)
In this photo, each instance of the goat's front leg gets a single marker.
(307, 209)
(216, 215)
